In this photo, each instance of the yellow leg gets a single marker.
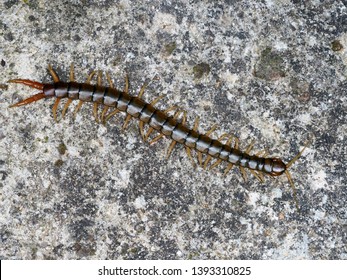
(155, 139)
(78, 107)
(53, 74)
(126, 86)
(257, 175)
(262, 153)
(142, 90)
(72, 75)
(109, 80)
(55, 107)
(213, 128)
(103, 113)
(90, 77)
(99, 81)
(169, 150)
(293, 188)
(207, 160)
(155, 101)
(243, 172)
(142, 132)
(189, 153)
(67, 104)
(218, 161)
(236, 146)
(110, 115)
(230, 165)
(126, 122)
(250, 146)
(95, 111)
(149, 131)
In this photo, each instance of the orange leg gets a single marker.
(55, 107)
(68, 102)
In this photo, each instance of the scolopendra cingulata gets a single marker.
(170, 126)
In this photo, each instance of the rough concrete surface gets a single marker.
(273, 71)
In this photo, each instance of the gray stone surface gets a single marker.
(270, 71)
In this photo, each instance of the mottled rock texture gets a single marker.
(270, 71)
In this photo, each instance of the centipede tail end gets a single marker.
(32, 84)
(29, 100)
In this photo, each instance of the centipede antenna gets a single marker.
(290, 163)
(293, 188)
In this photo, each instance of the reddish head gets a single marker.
(274, 166)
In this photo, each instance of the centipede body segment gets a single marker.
(171, 126)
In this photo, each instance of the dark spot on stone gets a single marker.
(4, 235)
(3, 175)
(169, 48)
(336, 46)
(76, 38)
(3, 63)
(270, 66)
(59, 163)
(10, 3)
(201, 69)
(62, 148)
(8, 36)
(58, 250)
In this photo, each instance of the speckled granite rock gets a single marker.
(273, 71)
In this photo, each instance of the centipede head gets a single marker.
(31, 99)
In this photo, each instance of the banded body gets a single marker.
(159, 120)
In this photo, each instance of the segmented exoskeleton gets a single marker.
(172, 127)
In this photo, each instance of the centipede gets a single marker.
(170, 123)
